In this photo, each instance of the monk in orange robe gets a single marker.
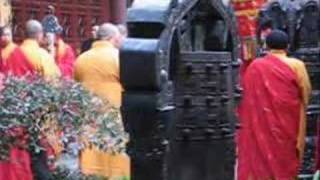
(7, 45)
(98, 70)
(61, 51)
(30, 57)
(18, 165)
(276, 91)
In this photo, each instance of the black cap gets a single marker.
(277, 39)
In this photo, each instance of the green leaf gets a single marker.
(45, 109)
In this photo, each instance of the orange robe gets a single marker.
(39, 59)
(65, 58)
(7, 51)
(42, 63)
(30, 58)
(98, 70)
(272, 116)
(305, 87)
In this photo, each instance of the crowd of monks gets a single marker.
(276, 89)
(96, 67)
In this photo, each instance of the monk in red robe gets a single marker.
(276, 90)
(7, 45)
(65, 57)
(18, 165)
(29, 58)
(61, 51)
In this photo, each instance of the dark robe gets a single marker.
(86, 45)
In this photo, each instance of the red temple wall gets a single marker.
(75, 16)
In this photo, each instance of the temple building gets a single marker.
(75, 16)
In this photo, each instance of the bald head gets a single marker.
(34, 29)
(6, 31)
(94, 30)
(123, 30)
(111, 33)
(6, 35)
(107, 31)
(277, 39)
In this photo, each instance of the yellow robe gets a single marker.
(305, 86)
(6, 52)
(98, 70)
(39, 58)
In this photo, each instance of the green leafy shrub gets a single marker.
(32, 109)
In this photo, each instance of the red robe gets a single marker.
(65, 59)
(269, 115)
(18, 64)
(18, 167)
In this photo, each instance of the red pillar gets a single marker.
(106, 15)
(118, 11)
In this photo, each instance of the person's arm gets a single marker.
(304, 83)
(305, 87)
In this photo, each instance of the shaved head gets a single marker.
(95, 27)
(277, 39)
(107, 31)
(6, 35)
(33, 29)
(123, 30)
(94, 30)
(6, 31)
